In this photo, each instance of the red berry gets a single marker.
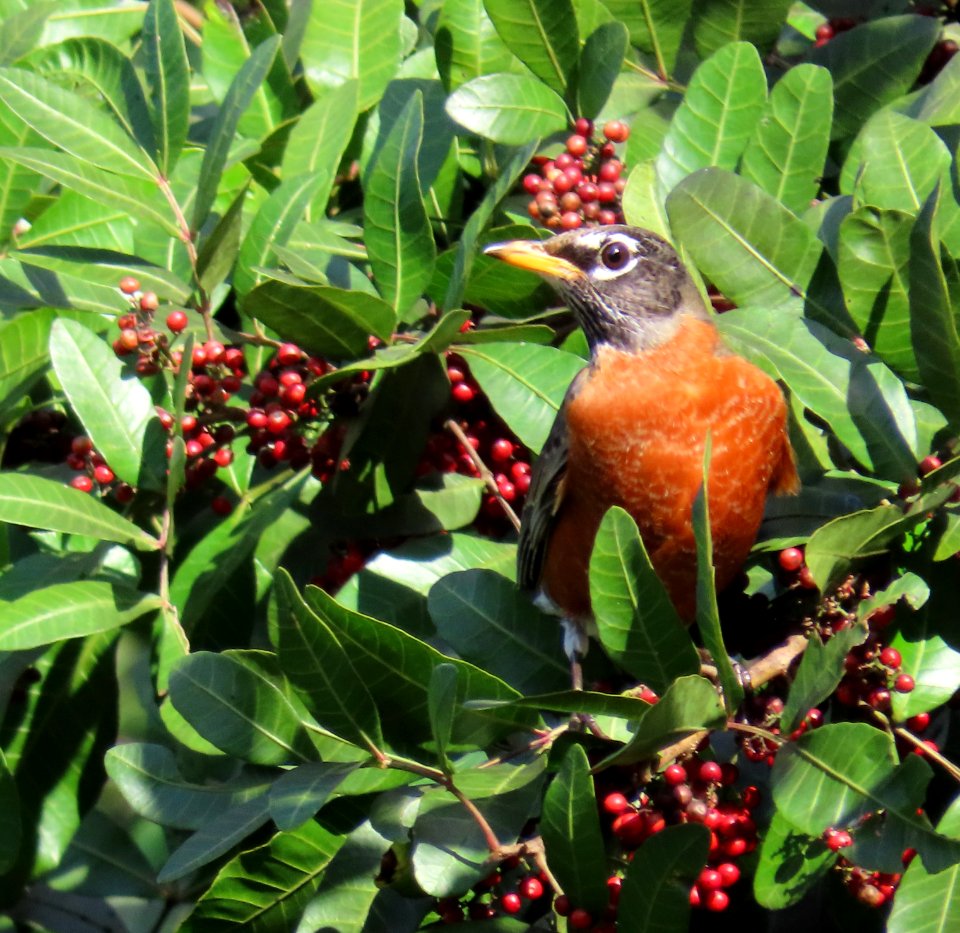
(562, 905)
(222, 505)
(630, 828)
(570, 220)
(531, 183)
(919, 722)
(710, 772)
(454, 374)
(805, 577)
(921, 749)
(223, 457)
(606, 192)
(463, 392)
(531, 888)
(81, 445)
(128, 285)
(790, 559)
(577, 145)
(580, 919)
(904, 683)
(709, 879)
(824, 32)
(294, 394)
(176, 321)
(149, 301)
(675, 774)
(729, 874)
(610, 170)
(123, 493)
(607, 217)
(103, 474)
(278, 422)
(616, 803)
(82, 482)
(616, 131)
(717, 901)
(584, 127)
(890, 657)
(289, 354)
(214, 351)
(511, 903)
(837, 839)
(929, 464)
(194, 448)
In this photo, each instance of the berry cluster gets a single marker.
(832, 27)
(698, 790)
(491, 441)
(512, 888)
(93, 471)
(583, 184)
(872, 670)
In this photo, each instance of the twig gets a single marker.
(531, 848)
(777, 661)
(928, 752)
(483, 470)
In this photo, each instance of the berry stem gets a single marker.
(928, 752)
(485, 474)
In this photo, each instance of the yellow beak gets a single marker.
(531, 255)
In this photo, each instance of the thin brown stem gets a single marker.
(928, 752)
(485, 474)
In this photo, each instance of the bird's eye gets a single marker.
(615, 255)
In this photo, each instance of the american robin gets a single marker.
(633, 425)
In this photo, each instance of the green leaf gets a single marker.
(821, 669)
(441, 702)
(723, 102)
(23, 354)
(330, 322)
(397, 231)
(98, 63)
(571, 833)
(928, 902)
(708, 616)
(863, 402)
(938, 104)
(397, 667)
(636, 621)
(69, 121)
(525, 384)
(488, 622)
(896, 163)
(656, 27)
(16, 182)
(656, 888)
(467, 44)
(133, 196)
(507, 108)
(874, 252)
(786, 153)
(933, 325)
(294, 862)
(298, 794)
(874, 64)
(541, 33)
(642, 203)
(749, 245)
(347, 39)
(219, 249)
(319, 138)
(790, 862)
(318, 665)
(272, 227)
(933, 664)
(214, 838)
(237, 701)
(690, 704)
(151, 783)
(600, 61)
(482, 213)
(117, 413)
(70, 610)
(11, 828)
(833, 548)
(224, 128)
(717, 22)
(817, 784)
(168, 78)
(395, 584)
(45, 503)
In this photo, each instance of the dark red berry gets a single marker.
(717, 901)
(577, 145)
(710, 772)
(919, 722)
(890, 657)
(904, 683)
(616, 803)
(221, 505)
(824, 32)
(562, 905)
(278, 422)
(289, 354)
(82, 482)
(531, 888)
(463, 392)
(580, 919)
(531, 183)
(929, 464)
(675, 774)
(103, 474)
(709, 879)
(729, 874)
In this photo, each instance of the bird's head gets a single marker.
(626, 286)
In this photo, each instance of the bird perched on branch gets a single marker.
(633, 426)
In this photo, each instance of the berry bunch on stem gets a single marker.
(583, 184)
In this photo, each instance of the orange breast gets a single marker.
(637, 431)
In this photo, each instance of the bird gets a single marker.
(633, 425)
